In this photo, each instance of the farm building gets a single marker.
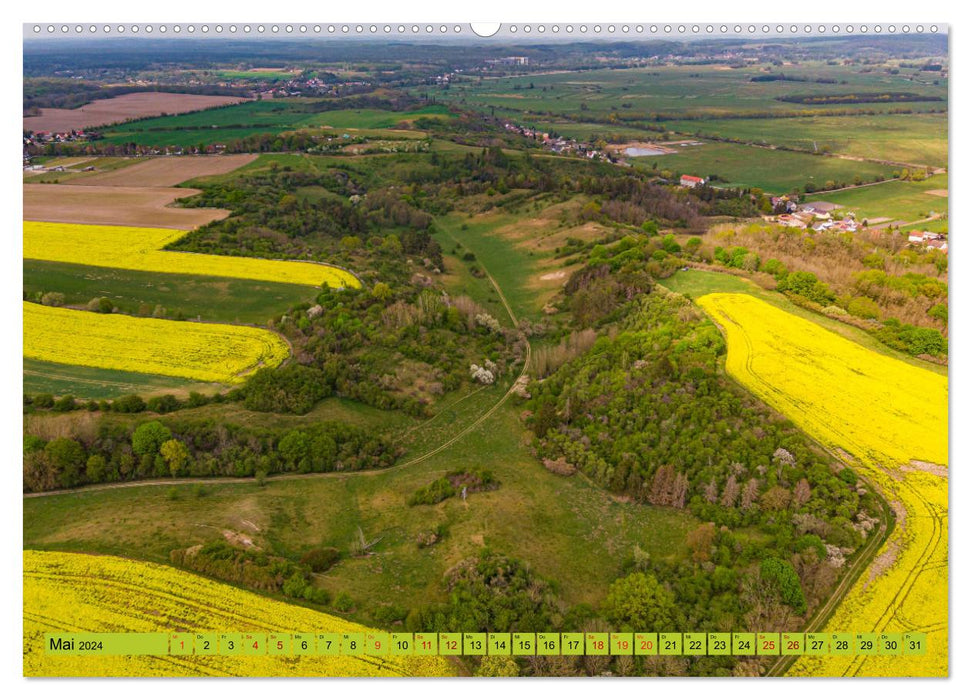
(691, 181)
(819, 207)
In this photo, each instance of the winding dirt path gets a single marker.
(324, 475)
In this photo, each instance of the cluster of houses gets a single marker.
(815, 215)
(41, 137)
(560, 144)
(928, 239)
(821, 216)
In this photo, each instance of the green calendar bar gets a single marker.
(378, 643)
(90, 644)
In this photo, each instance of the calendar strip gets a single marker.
(297, 644)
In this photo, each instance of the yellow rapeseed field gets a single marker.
(207, 352)
(66, 592)
(132, 248)
(892, 418)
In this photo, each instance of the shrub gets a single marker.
(321, 559)
(433, 493)
(291, 388)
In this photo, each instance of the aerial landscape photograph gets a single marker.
(579, 350)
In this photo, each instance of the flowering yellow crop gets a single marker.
(132, 248)
(66, 592)
(890, 416)
(208, 352)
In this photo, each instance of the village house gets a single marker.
(691, 181)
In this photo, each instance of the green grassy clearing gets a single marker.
(134, 292)
(906, 138)
(709, 90)
(94, 383)
(906, 201)
(508, 264)
(221, 124)
(565, 528)
(772, 170)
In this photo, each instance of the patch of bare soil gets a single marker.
(116, 109)
(882, 562)
(167, 171)
(238, 539)
(115, 206)
(917, 465)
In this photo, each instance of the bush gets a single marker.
(65, 403)
(163, 404)
(131, 403)
(321, 559)
(343, 602)
(292, 388)
(43, 401)
(433, 493)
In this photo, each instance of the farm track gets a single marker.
(324, 475)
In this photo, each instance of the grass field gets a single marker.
(135, 292)
(578, 535)
(906, 201)
(892, 419)
(78, 592)
(201, 351)
(697, 90)
(130, 248)
(516, 247)
(256, 117)
(907, 138)
(772, 170)
(95, 383)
